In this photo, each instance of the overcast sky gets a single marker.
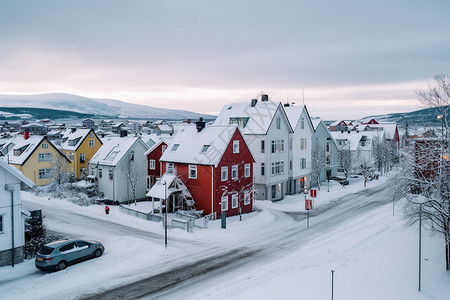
(350, 59)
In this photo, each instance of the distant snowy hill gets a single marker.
(96, 107)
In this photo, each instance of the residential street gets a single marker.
(135, 264)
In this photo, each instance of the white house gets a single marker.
(12, 215)
(266, 130)
(324, 152)
(119, 169)
(300, 145)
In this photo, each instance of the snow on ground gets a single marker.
(375, 256)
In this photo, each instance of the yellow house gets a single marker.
(36, 157)
(80, 145)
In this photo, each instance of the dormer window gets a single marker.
(175, 147)
(204, 148)
(236, 146)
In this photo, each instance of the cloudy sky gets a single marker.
(346, 59)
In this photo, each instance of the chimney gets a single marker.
(264, 97)
(123, 133)
(253, 102)
(72, 130)
(287, 105)
(200, 124)
(26, 135)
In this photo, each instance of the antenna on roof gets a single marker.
(303, 92)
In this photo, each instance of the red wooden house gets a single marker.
(153, 156)
(216, 166)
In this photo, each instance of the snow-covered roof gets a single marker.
(25, 147)
(259, 116)
(16, 173)
(293, 113)
(113, 149)
(159, 190)
(316, 121)
(354, 138)
(73, 139)
(204, 148)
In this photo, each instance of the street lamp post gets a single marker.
(332, 284)
(420, 242)
(165, 215)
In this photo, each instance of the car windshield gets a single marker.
(46, 250)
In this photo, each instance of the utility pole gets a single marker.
(332, 284)
(420, 242)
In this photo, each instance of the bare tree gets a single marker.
(318, 163)
(133, 172)
(424, 178)
(346, 159)
(61, 169)
(438, 96)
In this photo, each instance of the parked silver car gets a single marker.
(59, 254)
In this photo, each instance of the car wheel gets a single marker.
(61, 265)
(98, 253)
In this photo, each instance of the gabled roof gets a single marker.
(72, 140)
(16, 173)
(294, 114)
(259, 116)
(191, 143)
(27, 148)
(114, 149)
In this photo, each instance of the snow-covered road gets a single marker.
(250, 259)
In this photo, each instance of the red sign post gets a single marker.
(308, 204)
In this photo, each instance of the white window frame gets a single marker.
(82, 157)
(45, 156)
(192, 171)
(152, 164)
(110, 174)
(224, 203)
(44, 145)
(236, 146)
(234, 172)
(246, 198)
(91, 143)
(263, 170)
(224, 173)
(1, 223)
(247, 170)
(278, 121)
(45, 173)
(170, 168)
(263, 146)
(302, 123)
(234, 200)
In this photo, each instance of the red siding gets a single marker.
(201, 188)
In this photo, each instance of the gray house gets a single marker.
(324, 153)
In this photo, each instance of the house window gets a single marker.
(302, 144)
(247, 170)
(82, 157)
(290, 164)
(234, 201)
(302, 123)
(277, 146)
(246, 198)
(132, 155)
(44, 157)
(204, 148)
(277, 168)
(149, 180)
(224, 173)
(263, 146)
(1, 224)
(71, 156)
(91, 135)
(91, 143)
(234, 172)
(274, 191)
(224, 202)
(152, 164)
(111, 175)
(193, 171)
(45, 145)
(328, 147)
(100, 173)
(175, 147)
(262, 169)
(236, 146)
(45, 173)
(290, 143)
(278, 123)
(170, 168)
(83, 171)
(302, 163)
(163, 148)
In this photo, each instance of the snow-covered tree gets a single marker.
(346, 159)
(424, 177)
(134, 173)
(61, 169)
(318, 164)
